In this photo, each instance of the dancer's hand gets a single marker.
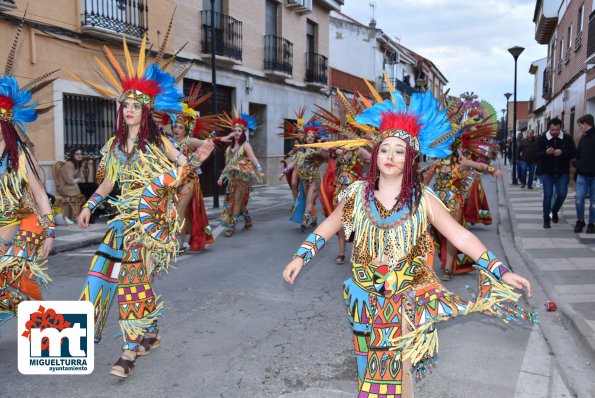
(292, 270)
(517, 281)
(204, 151)
(498, 173)
(220, 182)
(83, 218)
(48, 243)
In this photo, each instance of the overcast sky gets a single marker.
(467, 40)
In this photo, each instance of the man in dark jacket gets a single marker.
(554, 151)
(585, 174)
(528, 159)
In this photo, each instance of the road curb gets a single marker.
(574, 370)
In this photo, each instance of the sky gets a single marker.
(467, 40)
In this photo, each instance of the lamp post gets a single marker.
(503, 134)
(214, 82)
(507, 95)
(515, 52)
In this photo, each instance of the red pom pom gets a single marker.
(400, 121)
(239, 121)
(6, 102)
(148, 87)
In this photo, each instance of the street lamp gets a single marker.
(515, 52)
(507, 95)
(214, 82)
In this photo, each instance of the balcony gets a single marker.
(228, 37)
(278, 57)
(316, 70)
(578, 41)
(560, 66)
(546, 20)
(399, 85)
(547, 84)
(7, 5)
(591, 40)
(300, 6)
(111, 19)
(567, 57)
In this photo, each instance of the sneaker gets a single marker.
(555, 218)
(546, 224)
(578, 227)
(530, 187)
(523, 185)
(591, 228)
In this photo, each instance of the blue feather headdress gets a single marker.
(244, 119)
(15, 104)
(423, 125)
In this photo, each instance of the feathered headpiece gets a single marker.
(200, 126)
(423, 125)
(478, 139)
(244, 119)
(15, 106)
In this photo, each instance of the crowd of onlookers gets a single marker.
(549, 159)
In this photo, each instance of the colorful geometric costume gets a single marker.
(23, 225)
(142, 239)
(393, 298)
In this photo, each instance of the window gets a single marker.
(581, 17)
(569, 44)
(310, 43)
(561, 49)
(270, 28)
(88, 122)
(571, 125)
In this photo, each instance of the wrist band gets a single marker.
(51, 226)
(193, 162)
(491, 170)
(258, 167)
(311, 246)
(93, 201)
(489, 262)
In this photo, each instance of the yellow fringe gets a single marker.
(346, 144)
(12, 186)
(133, 328)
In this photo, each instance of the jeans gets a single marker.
(549, 182)
(585, 185)
(523, 173)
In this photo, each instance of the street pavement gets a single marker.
(233, 328)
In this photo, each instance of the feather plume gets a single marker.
(164, 42)
(40, 82)
(115, 64)
(128, 58)
(140, 68)
(13, 48)
(173, 57)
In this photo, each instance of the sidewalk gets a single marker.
(72, 237)
(561, 261)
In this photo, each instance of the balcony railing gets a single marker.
(228, 35)
(301, 6)
(316, 69)
(7, 5)
(399, 85)
(560, 66)
(278, 55)
(578, 41)
(567, 57)
(122, 17)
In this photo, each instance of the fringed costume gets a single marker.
(394, 299)
(24, 223)
(241, 171)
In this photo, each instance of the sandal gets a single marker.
(123, 366)
(248, 223)
(446, 275)
(340, 259)
(148, 344)
(229, 232)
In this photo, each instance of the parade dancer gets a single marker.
(394, 299)
(242, 171)
(27, 228)
(187, 128)
(142, 238)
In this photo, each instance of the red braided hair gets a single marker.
(11, 140)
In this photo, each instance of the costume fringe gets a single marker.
(12, 185)
(17, 265)
(133, 328)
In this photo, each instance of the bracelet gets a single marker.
(311, 246)
(490, 169)
(258, 167)
(93, 201)
(51, 226)
(193, 162)
(489, 262)
(178, 157)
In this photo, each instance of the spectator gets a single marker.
(528, 159)
(519, 140)
(585, 174)
(555, 149)
(71, 173)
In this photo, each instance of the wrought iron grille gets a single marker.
(278, 54)
(228, 35)
(591, 36)
(316, 68)
(399, 85)
(88, 123)
(129, 17)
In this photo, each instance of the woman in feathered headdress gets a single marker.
(142, 239)
(188, 129)
(307, 162)
(453, 174)
(347, 165)
(394, 299)
(27, 229)
(242, 170)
